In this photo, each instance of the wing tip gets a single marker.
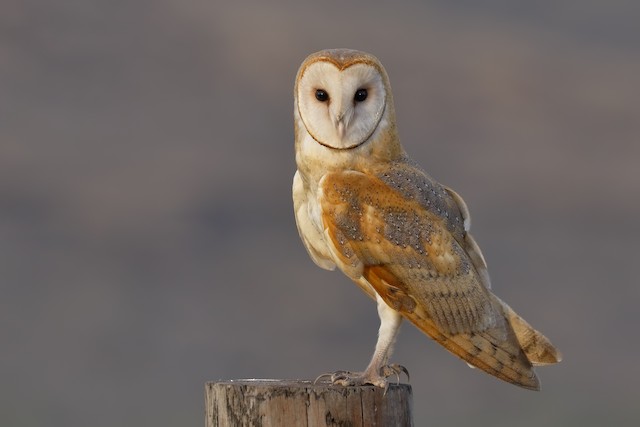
(531, 383)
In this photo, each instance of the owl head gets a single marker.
(343, 105)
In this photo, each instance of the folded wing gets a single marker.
(414, 253)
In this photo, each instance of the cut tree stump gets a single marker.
(285, 403)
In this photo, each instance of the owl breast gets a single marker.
(309, 222)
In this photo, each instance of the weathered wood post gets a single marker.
(281, 403)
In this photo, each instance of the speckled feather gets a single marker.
(406, 233)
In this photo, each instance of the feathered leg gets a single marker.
(378, 369)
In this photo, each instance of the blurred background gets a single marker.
(147, 236)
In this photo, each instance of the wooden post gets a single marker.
(281, 403)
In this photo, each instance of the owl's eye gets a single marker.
(322, 95)
(361, 95)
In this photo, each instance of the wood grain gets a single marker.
(275, 403)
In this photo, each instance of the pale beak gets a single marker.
(341, 121)
(341, 127)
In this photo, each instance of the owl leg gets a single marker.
(378, 369)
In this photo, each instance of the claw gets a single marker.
(399, 369)
(327, 374)
(347, 378)
(344, 378)
(394, 369)
(387, 371)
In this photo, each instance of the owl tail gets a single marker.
(536, 346)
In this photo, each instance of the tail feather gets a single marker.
(483, 350)
(536, 346)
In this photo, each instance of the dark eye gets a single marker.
(361, 95)
(322, 95)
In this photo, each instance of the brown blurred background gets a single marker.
(146, 230)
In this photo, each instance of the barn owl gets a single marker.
(363, 205)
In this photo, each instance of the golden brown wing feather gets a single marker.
(411, 251)
(536, 346)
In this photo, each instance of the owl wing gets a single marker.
(419, 266)
(468, 242)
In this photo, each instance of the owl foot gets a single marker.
(379, 379)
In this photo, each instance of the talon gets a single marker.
(327, 374)
(388, 370)
(378, 379)
(394, 369)
(399, 369)
(344, 378)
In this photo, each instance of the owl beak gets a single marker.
(340, 126)
(341, 122)
(341, 117)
